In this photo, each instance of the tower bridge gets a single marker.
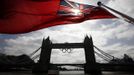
(42, 66)
(90, 66)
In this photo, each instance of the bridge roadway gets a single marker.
(63, 73)
(101, 64)
(106, 67)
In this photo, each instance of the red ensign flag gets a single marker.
(21, 16)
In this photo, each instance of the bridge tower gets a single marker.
(44, 61)
(90, 67)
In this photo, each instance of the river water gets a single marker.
(64, 73)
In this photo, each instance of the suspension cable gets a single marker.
(103, 57)
(34, 52)
(35, 57)
(104, 53)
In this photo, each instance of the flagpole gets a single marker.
(126, 17)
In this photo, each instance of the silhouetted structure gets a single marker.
(125, 60)
(44, 62)
(10, 62)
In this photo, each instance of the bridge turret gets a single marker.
(91, 66)
(43, 65)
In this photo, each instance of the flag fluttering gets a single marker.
(21, 16)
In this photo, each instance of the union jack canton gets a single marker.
(69, 8)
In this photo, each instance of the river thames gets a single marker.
(64, 73)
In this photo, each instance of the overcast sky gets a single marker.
(114, 36)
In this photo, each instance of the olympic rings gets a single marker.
(66, 50)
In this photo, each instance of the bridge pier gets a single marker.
(44, 62)
(91, 67)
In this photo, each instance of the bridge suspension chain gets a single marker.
(34, 52)
(35, 57)
(102, 56)
(104, 53)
